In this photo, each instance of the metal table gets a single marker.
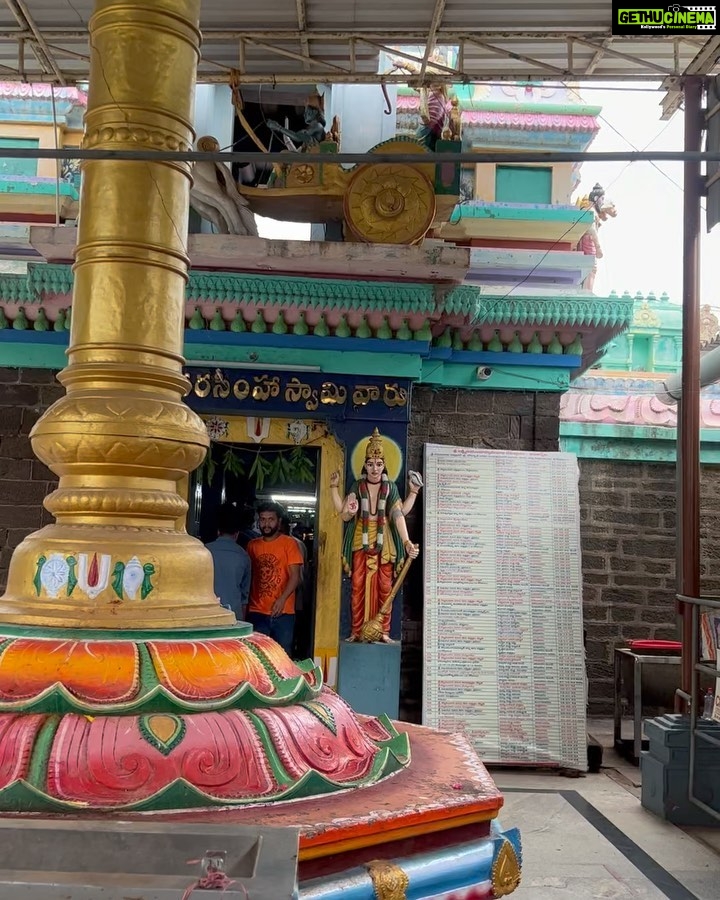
(659, 690)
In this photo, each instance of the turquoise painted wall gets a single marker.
(652, 346)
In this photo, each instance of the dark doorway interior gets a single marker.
(245, 475)
(257, 115)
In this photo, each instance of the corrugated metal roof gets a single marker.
(341, 40)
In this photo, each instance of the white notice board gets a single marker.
(504, 655)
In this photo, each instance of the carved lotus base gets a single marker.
(174, 720)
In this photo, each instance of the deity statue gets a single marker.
(376, 545)
(434, 104)
(589, 243)
(335, 132)
(453, 129)
(314, 131)
(214, 195)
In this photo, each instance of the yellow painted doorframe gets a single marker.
(328, 527)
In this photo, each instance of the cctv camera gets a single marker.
(483, 373)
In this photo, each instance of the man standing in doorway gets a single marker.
(276, 570)
(231, 563)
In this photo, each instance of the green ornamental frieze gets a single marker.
(43, 280)
(482, 308)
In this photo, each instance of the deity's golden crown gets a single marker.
(374, 449)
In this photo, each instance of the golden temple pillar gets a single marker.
(121, 439)
(124, 684)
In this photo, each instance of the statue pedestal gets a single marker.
(369, 678)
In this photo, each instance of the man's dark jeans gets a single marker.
(280, 629)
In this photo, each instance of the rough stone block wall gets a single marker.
(628, 541)
(494, 420)
(24, 481)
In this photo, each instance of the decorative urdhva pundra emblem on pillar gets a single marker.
(91, 574)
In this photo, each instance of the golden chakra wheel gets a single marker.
(389, 204)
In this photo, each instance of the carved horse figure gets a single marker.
(589, 243)
(215, 197)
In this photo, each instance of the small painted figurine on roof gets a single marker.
(434, 102)
(589, 243)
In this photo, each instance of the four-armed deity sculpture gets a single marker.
(215, 197)
(377, 548)
(589, 243)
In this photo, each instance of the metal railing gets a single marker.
(697, 734)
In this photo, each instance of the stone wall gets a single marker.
(493, 420)
(24, 481)
(628, 540)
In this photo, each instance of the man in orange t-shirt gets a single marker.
(277, 564)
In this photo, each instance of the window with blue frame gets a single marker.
(19, 165)
(523, 184)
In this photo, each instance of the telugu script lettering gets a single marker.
(331, 394)
(311, 393)
(364, 394)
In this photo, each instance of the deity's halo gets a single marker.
(393, 457)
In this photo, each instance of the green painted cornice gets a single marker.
(47, 278)
(260, 290)
(634, 444)
(545, 109)
(17, 289)
(417, 304)
(549, 109)
(482, 308)
(267, 290)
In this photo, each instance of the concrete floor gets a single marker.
(590, 837)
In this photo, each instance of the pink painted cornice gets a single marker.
(588, 407)
(20, 91)
(516, 120)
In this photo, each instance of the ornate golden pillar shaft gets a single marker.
(121, 438)
(124, 685)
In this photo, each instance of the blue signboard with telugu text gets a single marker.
(298, 394)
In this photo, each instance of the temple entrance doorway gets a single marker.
(288, 462)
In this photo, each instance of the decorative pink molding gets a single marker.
(530, 121)
(630, 409)
(524, 121)
(16, 89)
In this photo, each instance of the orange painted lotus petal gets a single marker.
(275, 655)
(93, 671)
(208, 670)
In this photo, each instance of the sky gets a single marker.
(643, 245)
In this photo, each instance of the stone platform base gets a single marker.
(436, 819)
(445, 789)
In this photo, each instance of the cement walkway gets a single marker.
(590, 838)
